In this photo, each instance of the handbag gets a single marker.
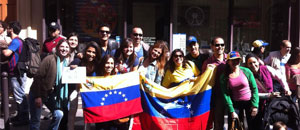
(236, 125)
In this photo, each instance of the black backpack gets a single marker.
(29, 59)
(282, 109)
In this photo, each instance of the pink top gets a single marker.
(240, 88)
(293, 72)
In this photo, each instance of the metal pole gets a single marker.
(5, 100)
(289, 21)
(230, 24)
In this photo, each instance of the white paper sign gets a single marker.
(179, 42)
(74, 76)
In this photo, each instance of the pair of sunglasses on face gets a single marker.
(137, 34)
(220, 45)
(104, 32)
(178, 56)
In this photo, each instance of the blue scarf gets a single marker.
(61, 89)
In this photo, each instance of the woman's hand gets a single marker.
(234, 115)
(288, 93)
(38, 102)
(253, 111)
(122, 120)
(79, 55)
(192, 79)
(275, 94)
(73, 66)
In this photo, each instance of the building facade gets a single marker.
(240, 22)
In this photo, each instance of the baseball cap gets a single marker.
(259, 43)
(190, 40)
(54, 26)
(233, 55)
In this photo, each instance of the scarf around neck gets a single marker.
(61, 89)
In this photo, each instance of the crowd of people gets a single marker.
(239, 87)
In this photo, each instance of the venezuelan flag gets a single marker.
(183, 107)
(110, 98)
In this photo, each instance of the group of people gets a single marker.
(237, 88)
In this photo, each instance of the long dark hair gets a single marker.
(75, 35)
(171, 65)
(120, 55)
(162, 59)
(72, 34)
(101, 70)
(98, 53)
(257, 52)
(294, 59)
(250, 55)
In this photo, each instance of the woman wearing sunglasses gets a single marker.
(239, 89)
(178, 70)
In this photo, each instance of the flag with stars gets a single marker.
(183, 107)
(110, 98)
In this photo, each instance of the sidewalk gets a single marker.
(79, 121)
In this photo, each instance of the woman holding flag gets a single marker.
(107, 68)
(153, 66)
(179, 70)
(239, 89)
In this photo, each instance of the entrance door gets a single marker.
(8, 10)
(153, 17)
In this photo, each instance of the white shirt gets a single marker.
(5, 38)
(283, 60)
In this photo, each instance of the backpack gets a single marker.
(282, 109)
(29, 59)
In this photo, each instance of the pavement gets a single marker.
(79, 120)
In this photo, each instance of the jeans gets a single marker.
(18, 85)
(35, 113)
(239, 107)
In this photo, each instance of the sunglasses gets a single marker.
(103, 32)
(219, 45)
(176, 56)
(137, 34)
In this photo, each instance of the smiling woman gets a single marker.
(239, 90)
(179, 69)
(153, 66)
(126, 57)
(107, 66)
(55, 97)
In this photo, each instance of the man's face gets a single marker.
(137, 35)
(9, 31)
(286, 48)
(218, 46)
(193, 49)
(55, 33)
(104, 33)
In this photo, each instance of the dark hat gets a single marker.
(190, 40)
(54, 26)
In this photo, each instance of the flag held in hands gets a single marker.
(110, 98)
(182, 107)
